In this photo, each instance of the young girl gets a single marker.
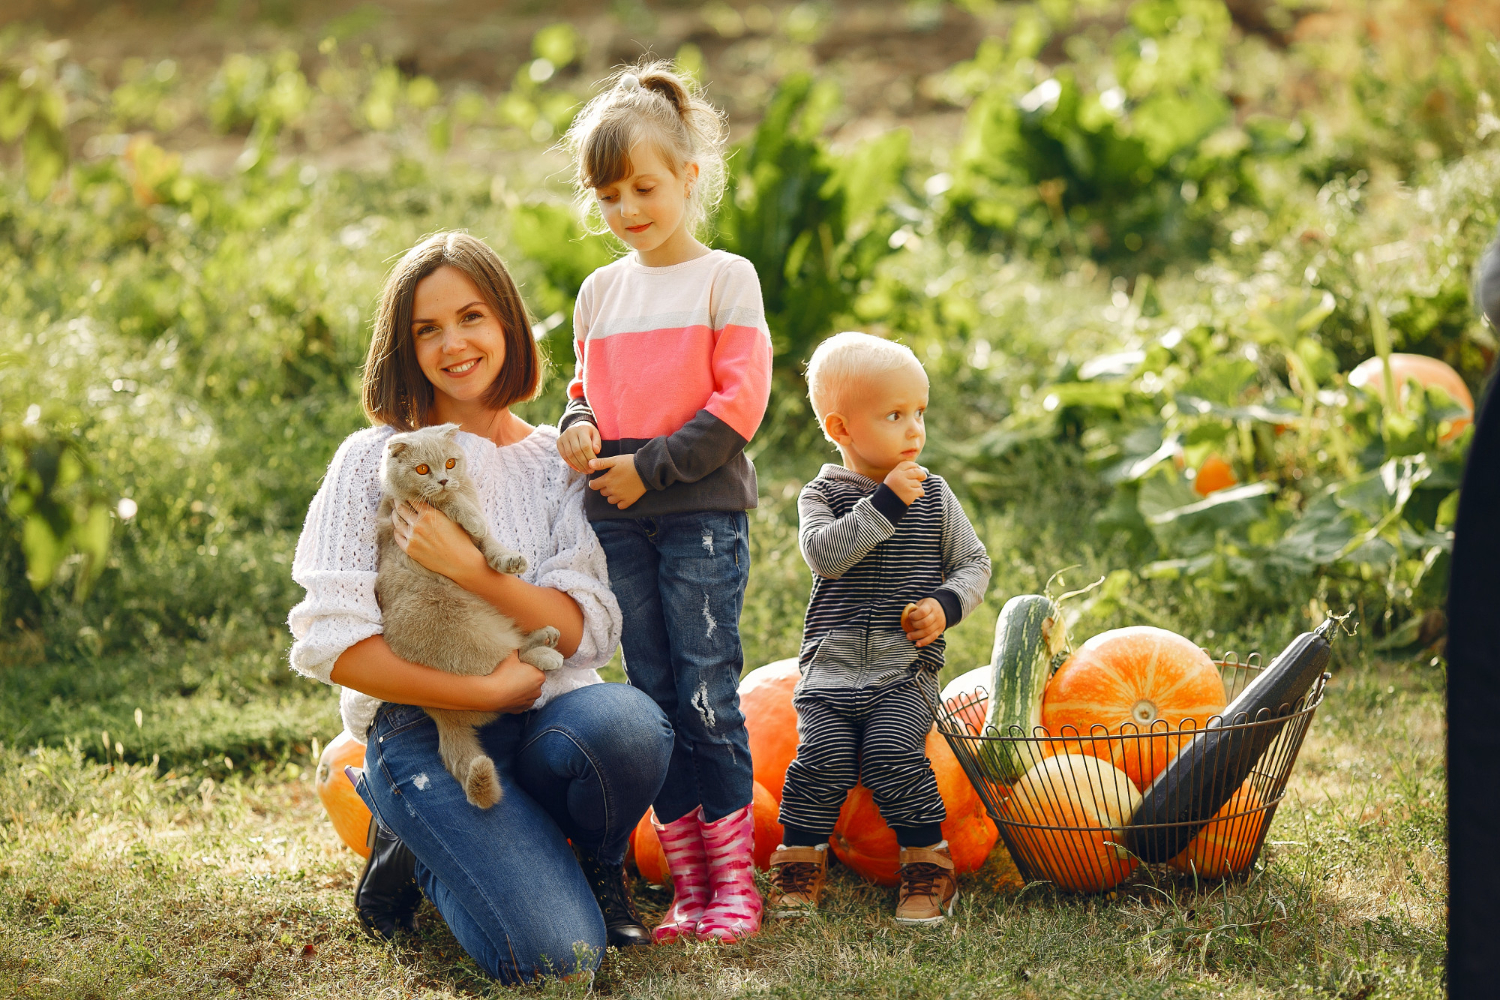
(674, 370)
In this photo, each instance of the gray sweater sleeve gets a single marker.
(832, 545)
(966, 565)
(695, 449)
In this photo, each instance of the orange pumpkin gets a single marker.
(1213, 475)
(350, 815)
(771, 721)
(651, 861)
(1226, 845)
(1094, 800)
(863, 840)
(1137, 680)
(1426, 372)
(966, 697)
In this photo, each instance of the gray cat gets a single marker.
(428, 618)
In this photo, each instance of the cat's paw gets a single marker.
(482, 787)
(543, 658)
(506, 561)
(545, 636)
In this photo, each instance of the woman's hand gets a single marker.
(578, 444)
(621, 485)
(512, 687)
(436, 542)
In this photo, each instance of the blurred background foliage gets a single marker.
(1150, 247)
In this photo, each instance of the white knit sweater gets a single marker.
(533, 503)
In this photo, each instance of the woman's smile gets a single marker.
(462, 368)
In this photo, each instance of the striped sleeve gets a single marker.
(833, 545)
(966, 565)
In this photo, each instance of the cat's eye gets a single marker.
(451, 463)
(422, 469)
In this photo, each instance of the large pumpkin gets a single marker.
(651, 862)
(1226, 845)
(863, 840)
(1094, 800)
(1139, 679)
(771, 721)
(1425, 371)
(350, 815)
(966, 697)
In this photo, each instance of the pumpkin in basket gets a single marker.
(350, 815)
(1226, 845)
(771, 721)
(651, 862)
(1139, 679)
(966, 700)
(863, 841)
(1093, 799)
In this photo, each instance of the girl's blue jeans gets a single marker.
(680, 580)
(583, 767)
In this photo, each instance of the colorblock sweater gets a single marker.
(673, 367)
(871, 555)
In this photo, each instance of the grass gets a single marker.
(118, 881)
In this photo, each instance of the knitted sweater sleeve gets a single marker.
(336, 559)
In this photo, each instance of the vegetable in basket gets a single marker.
(1197, 783)
(1028, 636)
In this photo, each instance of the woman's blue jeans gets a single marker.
(583, 767)
(680, 580)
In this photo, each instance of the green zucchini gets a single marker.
(1028, 638)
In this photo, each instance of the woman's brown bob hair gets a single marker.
(395, 391)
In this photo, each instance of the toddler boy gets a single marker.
(895, 562)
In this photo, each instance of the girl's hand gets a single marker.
(578, 444)
(512, 687)
(436, 542)
(925, 622)
(621, 485)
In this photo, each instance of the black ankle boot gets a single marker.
(622, 924)
(387, 895)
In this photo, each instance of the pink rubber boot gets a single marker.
(734, 913)
(682, 843)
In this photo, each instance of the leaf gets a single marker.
(43, 550)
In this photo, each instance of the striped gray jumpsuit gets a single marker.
(864, 700)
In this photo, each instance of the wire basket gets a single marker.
(1063, 801)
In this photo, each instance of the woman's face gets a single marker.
(459, 341)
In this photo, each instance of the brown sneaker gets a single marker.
(797, 875)
(929, 889)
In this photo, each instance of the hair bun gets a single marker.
(630, 82)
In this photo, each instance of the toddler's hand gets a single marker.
(905, 480)
(621, 485)
(925, 622)
(578, 444)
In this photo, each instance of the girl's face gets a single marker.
(646, 209)
(459, 340)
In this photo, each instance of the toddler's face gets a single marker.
(884, 420)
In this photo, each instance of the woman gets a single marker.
(579, 760)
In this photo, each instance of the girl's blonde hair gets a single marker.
(649, 102)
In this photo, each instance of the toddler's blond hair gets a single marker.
(844, 361)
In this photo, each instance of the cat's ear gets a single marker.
(395, 447)
(449, 430)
